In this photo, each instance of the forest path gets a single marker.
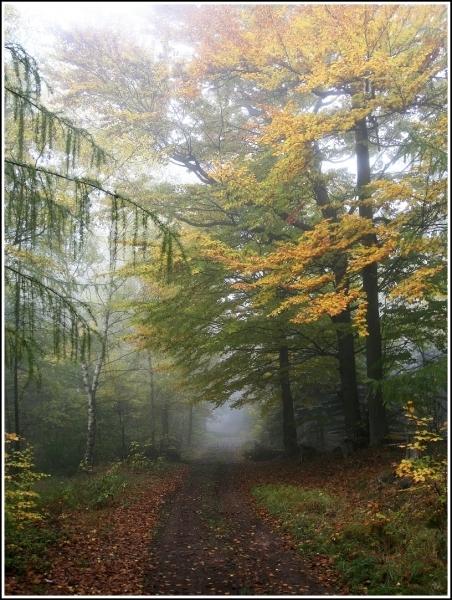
(211, 541)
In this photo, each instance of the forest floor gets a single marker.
(211, 541)
(98, 550)
(223, 526)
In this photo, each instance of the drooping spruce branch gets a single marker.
(64, 312)
(118, 205)
(48, 205)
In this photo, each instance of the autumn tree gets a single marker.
(270, 98)
(355, 79)
(222, 341)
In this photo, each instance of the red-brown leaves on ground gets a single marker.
(103, 552)
(212, 537)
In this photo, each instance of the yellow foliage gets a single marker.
(238, 186)
(417, 285)
(423, 469)
(360, 317)
(20, 498)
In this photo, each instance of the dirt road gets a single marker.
(211, 541)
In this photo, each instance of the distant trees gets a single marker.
(53, 205)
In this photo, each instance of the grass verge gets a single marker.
(396, 550)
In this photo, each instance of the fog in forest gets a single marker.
(229, 429)
(226, 299)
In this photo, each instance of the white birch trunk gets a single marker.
(90, 390)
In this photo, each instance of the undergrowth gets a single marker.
(399, 551)
(27, 539)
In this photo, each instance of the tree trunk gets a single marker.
(152, 398)
(91, 389)
(190, 425)
(344, 333)
(91, 432)
(289, 429)
(374, 354)
(347, 372)
(16, 398)
(88, 459)
(16, 367)
(165, 424)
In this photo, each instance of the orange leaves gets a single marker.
(417, 285)
(111, 557)
(301, 276)
(308, 284)
(218, 35)
(397, 49)
(360, 317)
(238, 185)
(363, 256)
(332, 66)
(221, 253)
(413, 190)
(326, 304)
(294, 257)
(290, 135)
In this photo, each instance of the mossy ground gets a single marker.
(383, 540)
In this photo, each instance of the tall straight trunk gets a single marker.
(165, 421)
(347, 373)
(152, 397)
(342, 321)
(16, 367)
(374, 354)
(91, 389)
(289, 429)
(91, 431)
(190, 425)
(88, 458)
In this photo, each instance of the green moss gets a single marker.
(396, 554)
(279, 497)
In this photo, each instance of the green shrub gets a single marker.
(101, 490)
(361, 570)
(24, 539)
(84, 490)
(137, 458)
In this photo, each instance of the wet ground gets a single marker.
(212, 542)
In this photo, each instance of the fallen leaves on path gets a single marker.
(213, 538)
(104, 552)
(213, 543)
(354, 480)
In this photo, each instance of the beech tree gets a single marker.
(222, 341)
(374, 71)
